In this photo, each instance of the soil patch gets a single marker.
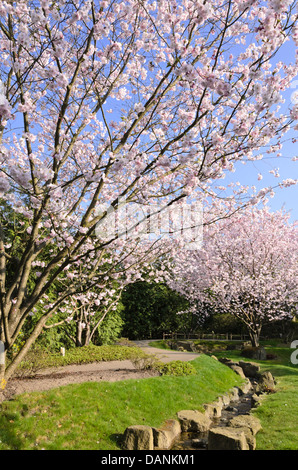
(57, 377)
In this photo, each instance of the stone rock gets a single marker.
(234, 394)
(228, 362)
(138, 437)
(213, 410)
(254, 353)
(256, 400)
(250, 369)
(266, 383)
(225, 399)
(250, 438)
(163, 437)
(186, 346)
(227, 438)
(246, 421)
(231, 408)
(238, 370)
(194, 421)
(245, 387)
(199, 443)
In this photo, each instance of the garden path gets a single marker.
(165, 355)
(109, 371)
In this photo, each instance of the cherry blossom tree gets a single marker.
(86, 314)
(247, 267)
(143, 100)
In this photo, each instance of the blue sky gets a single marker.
(286, 198)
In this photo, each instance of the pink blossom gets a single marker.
(289, 182)
(249, 263)
(4, 185)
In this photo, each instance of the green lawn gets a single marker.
(279, 412)
(95, 415)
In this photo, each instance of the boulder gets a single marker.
(254, 353)
(234, 394)
(250, 438)
(245, 387)
(246, 421)
(194, 421)
(213, 410)
(256, 400)
(238, 370)
(266, 383)
(228, 362)
(199, 443)
(164, 436)
(250, 369)
(225, 399)
(226, 438)
(138, 437)
(186, 346)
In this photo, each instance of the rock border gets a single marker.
(232, 437)
(240, 432)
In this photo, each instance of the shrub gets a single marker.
(35, 360)
(146, 362)
(177, 368)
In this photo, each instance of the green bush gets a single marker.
(110, 329)
(35, 360)
(151, 362)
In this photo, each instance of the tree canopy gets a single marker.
(138, 101)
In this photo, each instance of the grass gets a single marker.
(93, 416)
(279, 412)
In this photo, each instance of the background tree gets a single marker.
(151, 310)
(142, 100)
(248, 268)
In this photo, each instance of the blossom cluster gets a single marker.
(247, 267)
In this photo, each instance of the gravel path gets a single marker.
(110, 371)
(165, 355)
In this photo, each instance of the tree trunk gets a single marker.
(87, 335)
(79, 334)
(255, 337)
(83, 335)
(7, 372)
